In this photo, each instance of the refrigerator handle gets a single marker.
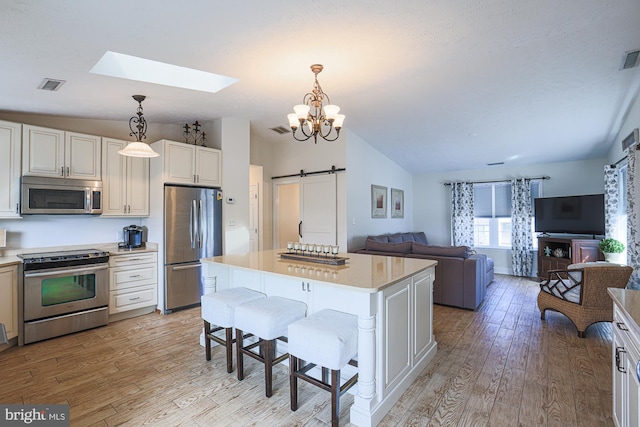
(201, 223)
(192, 224)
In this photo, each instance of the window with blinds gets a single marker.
(492, 213)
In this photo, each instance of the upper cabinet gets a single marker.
(10, 150)
(125, 181)
(56, 153)
(190, 164)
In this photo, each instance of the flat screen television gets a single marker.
(570, 215)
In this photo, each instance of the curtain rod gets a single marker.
(500, 180)
(303, 173)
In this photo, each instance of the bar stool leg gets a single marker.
(293, 381)
(229, 348)
(335, 397)
(269, 354)
(240, 354)
(207, 341)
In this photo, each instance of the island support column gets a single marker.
(364, 401)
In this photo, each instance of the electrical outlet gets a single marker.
(118, 236)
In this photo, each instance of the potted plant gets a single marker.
(611, 248)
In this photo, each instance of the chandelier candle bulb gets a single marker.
(331, 111)
(302, 111)
(293, 120)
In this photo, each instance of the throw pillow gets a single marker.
(395, 238)
(401, 248)
(447, 251)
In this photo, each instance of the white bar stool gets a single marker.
(218, 309)
(268, 320)
(328, 339)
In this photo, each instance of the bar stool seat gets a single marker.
(328, 339)
(268, 320)
(218, 309)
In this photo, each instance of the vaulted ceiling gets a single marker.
(435, 85)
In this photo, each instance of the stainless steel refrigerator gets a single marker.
(192, 230)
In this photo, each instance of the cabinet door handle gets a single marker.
(62, 171)
(194, 179)
(124, 209)
(621, 326)
(135, 276)
(619, 362)
(17, 208)
(133, 299)
(308, 287)
(67, 170)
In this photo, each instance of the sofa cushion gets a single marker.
(418, 237)
(395, 238)
(448, 251)
(401, 248)
(384, 238)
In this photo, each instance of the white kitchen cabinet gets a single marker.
(59, 154)
(10, 155)
(125, 181)
(133, 281)
(190, 164)
(626, 386)
(9, 300)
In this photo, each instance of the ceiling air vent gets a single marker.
(631, 139)
(51, 84)
(280, 130)
(630, 59)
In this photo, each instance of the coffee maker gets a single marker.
(132, 237)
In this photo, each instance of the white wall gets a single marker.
(630, 122)
(233, 137)
(432, 212)
(367, 166)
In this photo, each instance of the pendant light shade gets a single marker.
(138, 148)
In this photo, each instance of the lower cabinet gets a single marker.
(9, 300)
(626, 385)
(133, 281)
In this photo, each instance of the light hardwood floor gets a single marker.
(499, 366)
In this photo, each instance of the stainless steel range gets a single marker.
(63, 292)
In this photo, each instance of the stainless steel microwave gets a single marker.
(46, 196)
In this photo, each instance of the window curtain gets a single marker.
(521, 239)
(633, 236)
(611, 201)
(462, 214)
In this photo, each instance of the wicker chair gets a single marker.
(580, 292)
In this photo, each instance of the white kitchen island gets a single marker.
(392, 297)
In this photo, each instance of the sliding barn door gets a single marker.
(305, 210)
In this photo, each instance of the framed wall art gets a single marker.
(397, 203)
(378, 201)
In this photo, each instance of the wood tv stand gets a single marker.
(575, 250)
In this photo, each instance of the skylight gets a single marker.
(129, 67)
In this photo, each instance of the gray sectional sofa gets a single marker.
(462, 276)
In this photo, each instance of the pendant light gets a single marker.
(138, 148)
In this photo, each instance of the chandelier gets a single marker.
(313, 118)
(138, 148)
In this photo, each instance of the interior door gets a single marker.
(305, 210)
(318, 209)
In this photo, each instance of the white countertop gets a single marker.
(369, 273)
(629, 301)
(9, 256)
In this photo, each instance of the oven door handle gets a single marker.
(74, 271)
